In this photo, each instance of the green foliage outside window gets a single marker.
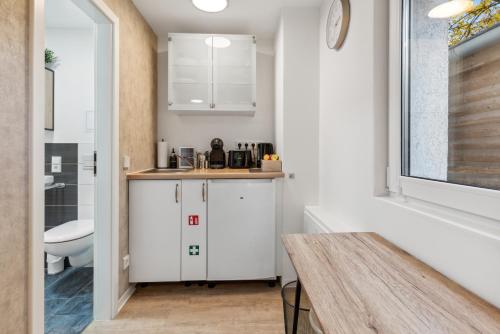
(484, 16)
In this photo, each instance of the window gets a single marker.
(451, 91)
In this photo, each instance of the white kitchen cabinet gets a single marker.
(155, 230)
(234, 75)
(189, 73)
(212, 74)
(194, 230)
(241, 230)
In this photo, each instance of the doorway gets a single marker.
(83, 186)
(69, 167)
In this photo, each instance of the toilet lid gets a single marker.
(72, 230)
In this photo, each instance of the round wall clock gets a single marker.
(338, 23)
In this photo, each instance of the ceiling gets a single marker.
(65, 14)
(253, 17)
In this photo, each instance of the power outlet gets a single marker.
(243, 142)
(126, 162)
(126, 261)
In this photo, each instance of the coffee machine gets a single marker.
(217, 157)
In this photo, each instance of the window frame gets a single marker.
(474, 200)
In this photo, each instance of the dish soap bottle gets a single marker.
(173, 159)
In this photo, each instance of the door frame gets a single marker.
(106, 264)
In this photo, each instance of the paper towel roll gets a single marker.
(162, 158)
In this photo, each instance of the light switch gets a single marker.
(56, 165)
(126, 162)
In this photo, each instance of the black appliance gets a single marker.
(262, 150)
(240, 159)
(217, 158)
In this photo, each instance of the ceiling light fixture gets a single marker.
(197, 101)
(218, 42)
(211, 6)
(451, 8)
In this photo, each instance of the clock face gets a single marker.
(338, 23)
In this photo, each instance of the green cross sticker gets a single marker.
(194, 250)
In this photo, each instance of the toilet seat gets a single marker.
(69, 231)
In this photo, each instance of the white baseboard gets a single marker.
(317, 220)
(125, 297)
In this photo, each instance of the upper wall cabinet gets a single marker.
(212, 74)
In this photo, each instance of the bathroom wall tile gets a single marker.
(85, 212)
(57, 215)
(85, 152)
(85, 174)
(65, 196)
(86, 195)
(68, 152)
(68, 175)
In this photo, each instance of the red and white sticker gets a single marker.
(194, 220)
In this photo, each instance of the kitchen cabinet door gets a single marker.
(155, 230)
(234, 73)
(241, 230)
(194, 230)
(190, 72)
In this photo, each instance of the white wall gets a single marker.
(198, 131)
(353, 127)
(297, 114)
(74, 104)
(74, 85)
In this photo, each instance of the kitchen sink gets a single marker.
(169, 170)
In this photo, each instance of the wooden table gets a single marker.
(361, 283)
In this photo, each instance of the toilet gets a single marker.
(74, 239)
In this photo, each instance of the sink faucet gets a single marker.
(185, 159)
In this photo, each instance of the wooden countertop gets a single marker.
(361, 283)
(226, 173)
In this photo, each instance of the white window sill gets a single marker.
(477, 201)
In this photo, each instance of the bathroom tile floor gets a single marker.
(69, 301)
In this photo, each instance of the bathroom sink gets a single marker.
(48, 180)
(170, 170)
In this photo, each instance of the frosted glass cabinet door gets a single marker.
(190, 72)
(234, 72)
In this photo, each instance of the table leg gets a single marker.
(298, 292)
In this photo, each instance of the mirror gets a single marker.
(49, 99)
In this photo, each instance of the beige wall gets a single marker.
(138, 105)
(137, 136)
(13, 162)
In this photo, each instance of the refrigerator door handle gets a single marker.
(203, 192)
(177, 193)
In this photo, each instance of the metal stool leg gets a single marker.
(296, 310)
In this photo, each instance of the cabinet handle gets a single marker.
(203, 192)
(176, 193)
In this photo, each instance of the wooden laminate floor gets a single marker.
(173, 308)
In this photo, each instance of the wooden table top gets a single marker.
(226, 173)
(361, 283)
